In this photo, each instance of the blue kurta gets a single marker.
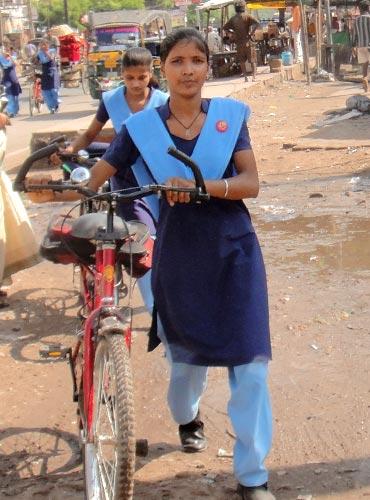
(50, 75)
(208, 276)
(10, 78)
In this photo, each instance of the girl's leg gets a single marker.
(55, 97)
(51, 99)
(48, 99)
(250, 413)
(11, 106)
(187, 384)
(16, 104)
(145, 287)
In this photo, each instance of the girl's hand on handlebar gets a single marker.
(175, 196)
(40, 196)
(56, 160)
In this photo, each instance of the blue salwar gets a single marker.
(12, 108)
(51, 99)
(249, 410)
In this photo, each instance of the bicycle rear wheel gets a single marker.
(110, 460)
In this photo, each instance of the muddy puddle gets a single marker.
(322, 242)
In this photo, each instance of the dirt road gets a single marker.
(312, 218)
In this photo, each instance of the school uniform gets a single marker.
(50, 81)
(11, 83)
(208, 276)
(114, 106)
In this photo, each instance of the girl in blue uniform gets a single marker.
(11, 83)
(50, 80)
(208, 276)
(117, 105)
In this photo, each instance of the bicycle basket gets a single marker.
(60, 247)
(137, 251)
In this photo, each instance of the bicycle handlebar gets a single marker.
(199, 193)
(18, 184)
(124, 195)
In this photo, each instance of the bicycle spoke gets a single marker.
(105, 432)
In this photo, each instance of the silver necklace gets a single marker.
(188, 128)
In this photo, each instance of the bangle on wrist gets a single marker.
(226, 188)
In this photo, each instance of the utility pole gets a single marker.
(66, 18)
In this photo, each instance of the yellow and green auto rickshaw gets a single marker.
(112, 33)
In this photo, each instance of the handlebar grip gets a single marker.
(18, 184)
(179, 155)
(57, 140)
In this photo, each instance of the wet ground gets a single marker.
(313, 224)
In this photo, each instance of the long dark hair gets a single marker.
(180, 35)
(139, 56)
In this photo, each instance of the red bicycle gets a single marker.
(35, 99)
(101, 244)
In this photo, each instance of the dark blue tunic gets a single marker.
(50, 75)
(208, 276)
(10, 80)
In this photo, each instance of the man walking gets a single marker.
(242, 26)
(361, 40)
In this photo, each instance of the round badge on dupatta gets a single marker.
(221, 126)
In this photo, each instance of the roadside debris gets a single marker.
(322, 76)
(224, 454)
(354, 113)
(359, 102)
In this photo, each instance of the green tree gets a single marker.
(51, 12)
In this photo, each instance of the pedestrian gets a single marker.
(18, 247)
(118, 104)
(10, 82)
(361, 40)
(296, 28)
(214, 41)
(242, 27)
(212, 245)
(50, 80)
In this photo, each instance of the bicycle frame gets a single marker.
(100, 306)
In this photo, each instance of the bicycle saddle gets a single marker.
(86, 226)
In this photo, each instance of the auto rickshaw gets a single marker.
(111, 34)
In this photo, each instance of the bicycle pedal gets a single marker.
(55, 351)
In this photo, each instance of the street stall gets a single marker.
(272, 37)
(72, 48)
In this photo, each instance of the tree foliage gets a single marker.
(51, 12)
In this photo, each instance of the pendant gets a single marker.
(187, 133)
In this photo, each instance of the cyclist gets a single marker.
(225, 324)
(50, 80)
(11, 82)
(117, 105)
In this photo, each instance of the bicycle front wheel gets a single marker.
(110, 460)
